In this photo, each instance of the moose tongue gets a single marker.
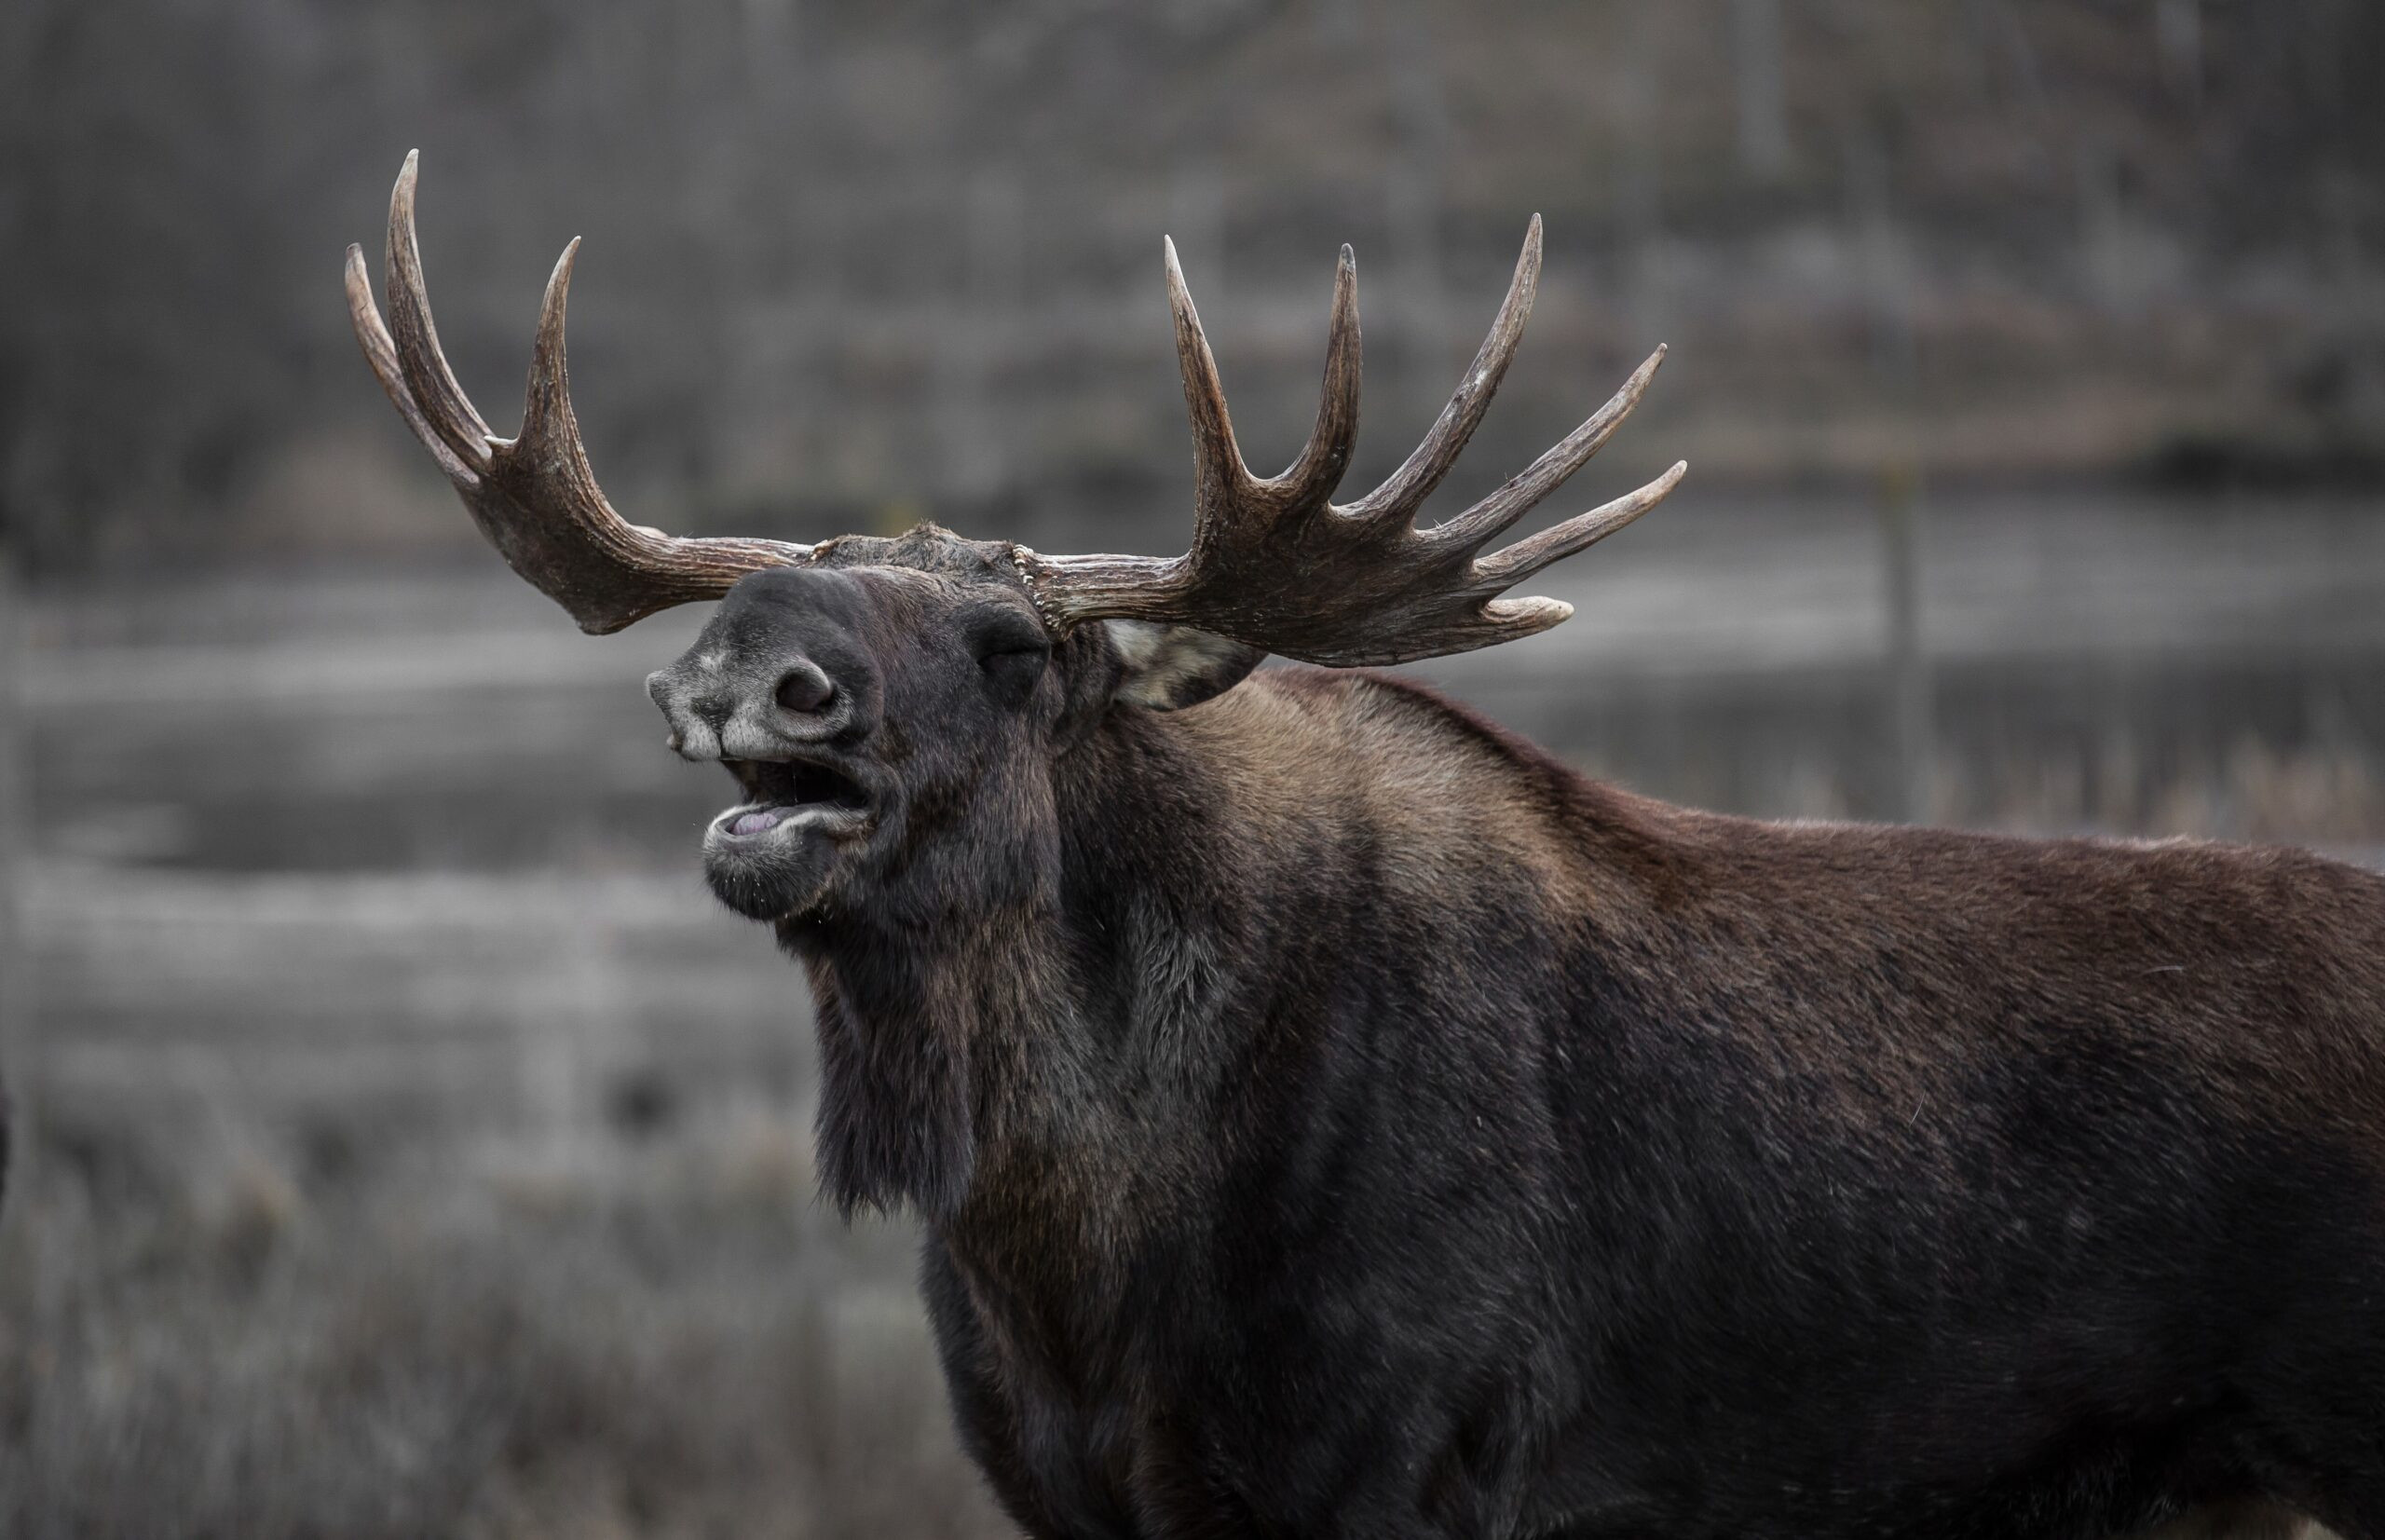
(755, 823)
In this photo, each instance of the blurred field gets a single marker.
(421, 1152)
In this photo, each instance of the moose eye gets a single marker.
(1011, 650)
(1007, 633)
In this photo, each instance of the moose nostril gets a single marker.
(805, 690)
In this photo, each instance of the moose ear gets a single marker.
(1168, 667)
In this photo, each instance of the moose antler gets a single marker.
(533, 495)
(1276, 563)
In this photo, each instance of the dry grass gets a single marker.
(2330, 795)
(669, 1341)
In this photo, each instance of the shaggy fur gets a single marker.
(1333, 1116)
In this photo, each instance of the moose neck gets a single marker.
(1052, 1075)
(1034, 1052)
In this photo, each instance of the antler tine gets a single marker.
(1401, 495)
(1326, 459)
(441, 400)
(547, 417)
(549, 448)
(1522, 492)
(550, 437)
(535, 497)
(1512, 619)
(1513, 563)
(1224, 482)
(1229, 494)
(381, 352)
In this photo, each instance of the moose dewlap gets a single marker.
(1330, 1115)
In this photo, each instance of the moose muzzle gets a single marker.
(778, 689)
(776, 676)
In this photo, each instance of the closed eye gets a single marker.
(1007, 638)
(1011, 659)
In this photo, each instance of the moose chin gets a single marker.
(1331, 1115)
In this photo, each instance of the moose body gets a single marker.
(1397, 1134)
(1330, 1115)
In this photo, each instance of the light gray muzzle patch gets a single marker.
(720, 707)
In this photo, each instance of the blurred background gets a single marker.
(408, 1146)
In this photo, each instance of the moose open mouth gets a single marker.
(776, 854)
(781, 793)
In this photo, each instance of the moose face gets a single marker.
(891, 713)
(866, 712)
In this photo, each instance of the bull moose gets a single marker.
(1329, 1114)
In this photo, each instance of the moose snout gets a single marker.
(721, 706)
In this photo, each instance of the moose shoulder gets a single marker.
(1332, 1115)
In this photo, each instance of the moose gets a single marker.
(1329, 1114)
